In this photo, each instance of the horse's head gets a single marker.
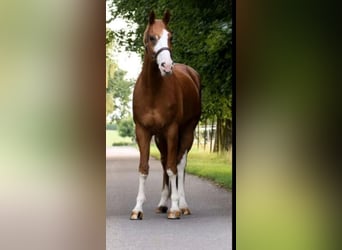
(157, 41)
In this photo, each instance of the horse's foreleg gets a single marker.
(137, 212)
(174, 212)
(143, 139)
(171, 169)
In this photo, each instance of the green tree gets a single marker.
(126, 128)
(111, 66)
(118, 90)
(202, 38)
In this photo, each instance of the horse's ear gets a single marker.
(151, 17)
(166, 17)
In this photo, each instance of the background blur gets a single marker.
(52, 129)
(286, 132)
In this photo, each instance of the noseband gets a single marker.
(154, 55)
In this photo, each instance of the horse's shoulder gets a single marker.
(181, 67)
(184, 70)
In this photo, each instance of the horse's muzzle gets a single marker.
(166, 69)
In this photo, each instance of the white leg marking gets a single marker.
(174, 192)
(141, 194)
(180, 168)
(164, 197)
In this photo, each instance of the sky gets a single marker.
(128, 61)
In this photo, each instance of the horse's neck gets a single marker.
(151, 74)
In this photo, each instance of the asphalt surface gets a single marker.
(208, 227)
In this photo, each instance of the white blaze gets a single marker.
(163, 57)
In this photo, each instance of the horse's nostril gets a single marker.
(163, 64)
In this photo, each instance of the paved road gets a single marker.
(208, 227)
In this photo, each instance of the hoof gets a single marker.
(136, 215)
(173, 215)
(161, 210)
(185, 211)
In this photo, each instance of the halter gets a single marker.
(154, 55)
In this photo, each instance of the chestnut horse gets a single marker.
(166, 105)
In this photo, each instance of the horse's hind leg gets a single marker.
(186, 138)
(181, 172)
(162, 205)
(143, 139)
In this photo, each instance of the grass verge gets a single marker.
(211, 166)
(113, 138)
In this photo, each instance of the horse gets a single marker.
(166, 105)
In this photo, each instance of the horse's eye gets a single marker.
(153, 38)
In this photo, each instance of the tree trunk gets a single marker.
(225, 135)
(218, 136)
(229, 134)
(198, 135)
(211, 135)
(205, 134)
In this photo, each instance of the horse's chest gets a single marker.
(155, 109)
(158, 118)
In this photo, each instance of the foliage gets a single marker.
(110, 35)
(111, 126)
(114, 139)
(202, 38)
(109, 72)
(121, 90)
(126, 128)
(122, 143)
(118, 91)
(109, 104)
